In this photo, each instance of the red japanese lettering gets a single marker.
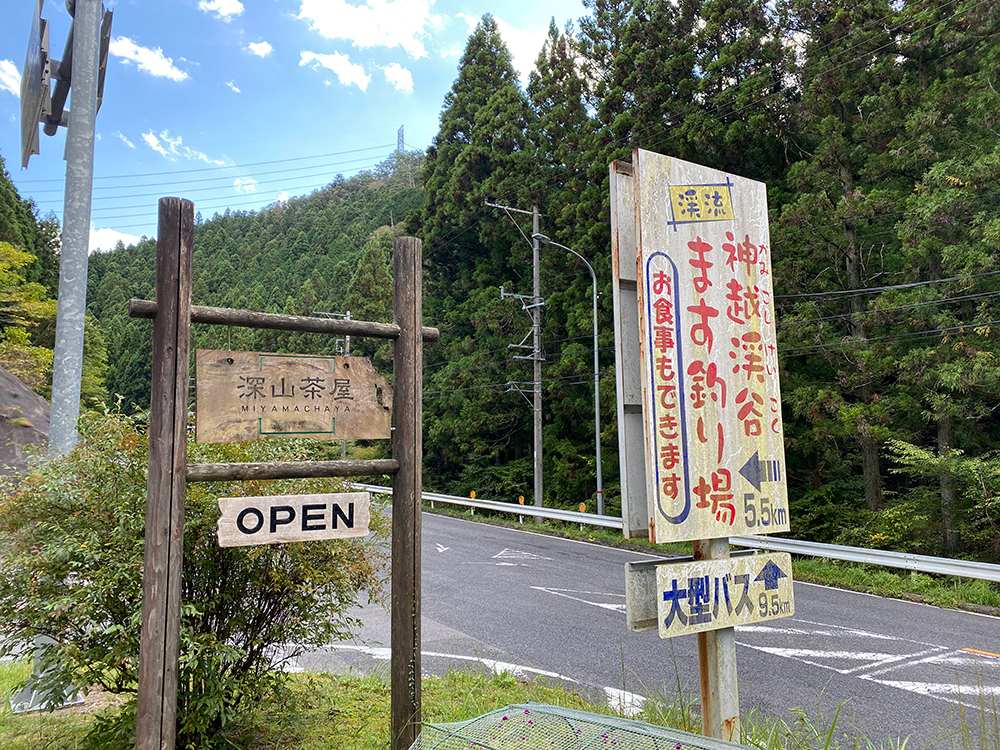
(700, 264)
(701, 332)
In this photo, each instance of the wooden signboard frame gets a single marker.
(172, 315)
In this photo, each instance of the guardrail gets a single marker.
(901, 560)
(558, 514)
(904, 560)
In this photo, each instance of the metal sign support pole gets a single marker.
(67, 364)
(407, 449)
(720, 694)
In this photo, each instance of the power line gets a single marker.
(220, 167)
(879, 289)
(892, 337)
(882, 310)
(228, 178)
(508, 383)
(187, 190)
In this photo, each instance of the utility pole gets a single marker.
(537, 338)
(535, 311)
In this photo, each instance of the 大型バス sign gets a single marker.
(693, 597)
(252, 395)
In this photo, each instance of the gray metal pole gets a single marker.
(67, 365)
(597, 388)
(537, 338)
(720, 693)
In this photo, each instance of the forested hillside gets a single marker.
(326, 252)
(29, 280)
(875, 127)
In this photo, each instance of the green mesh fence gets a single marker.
(537, 726)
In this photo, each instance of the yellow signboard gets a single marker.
(254, 395)
(711, 400)
(693, 597)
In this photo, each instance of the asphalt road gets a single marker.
(502, 598)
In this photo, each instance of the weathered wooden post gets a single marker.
(407, 449)
(161, 581)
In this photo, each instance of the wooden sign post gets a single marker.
(163, 557)
(329, 389)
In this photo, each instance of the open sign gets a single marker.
(292, 518)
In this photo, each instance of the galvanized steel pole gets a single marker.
(67, 364)
(597, 389)
(537, 355)
(720, 693)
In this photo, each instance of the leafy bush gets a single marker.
(71, 569)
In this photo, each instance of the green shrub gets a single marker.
(71, 569)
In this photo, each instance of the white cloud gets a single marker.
(106, 239)
(470, 21)
(524, 45)
(10, 78)
(399, 77)
(341, 66)
(118, 134)
(374, 23)
(261, 49)
(245, 185)
(171, 147)
(452, 52)
(224, 9)
(233, 86)
(283, 197)
(151, 61)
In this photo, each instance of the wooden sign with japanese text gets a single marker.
(292, 518)
(253, 395)
(711, 401)
(694, 597)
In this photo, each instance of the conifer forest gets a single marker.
(875, 125)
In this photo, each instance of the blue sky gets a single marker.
(241, 103)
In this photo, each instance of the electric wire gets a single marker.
(892, 337)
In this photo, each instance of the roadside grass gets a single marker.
(320, 711)
(38, 730)
(942, 591)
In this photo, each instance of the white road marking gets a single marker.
(568, 593)
(624, 702)
(514, 554)
(628, 703)
(442, 548)
(883, 668)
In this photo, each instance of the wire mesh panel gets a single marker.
(537, 726)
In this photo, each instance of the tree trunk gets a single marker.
(946, 441)
(872, 475)
(869, 446)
